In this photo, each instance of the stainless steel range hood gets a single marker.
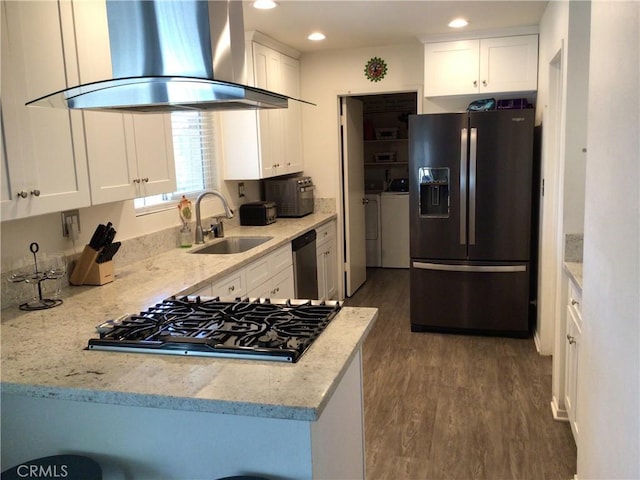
(171, 55)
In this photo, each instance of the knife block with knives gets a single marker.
(95, 266)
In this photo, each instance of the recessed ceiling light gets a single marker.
(316, 36)
(458, 23)
(264, 4)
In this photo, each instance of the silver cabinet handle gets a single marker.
(475, 83)
(145, 179)
(365, 201)
(484, 83)
(574, 301)
(232, 288)
(136, 180)
(35, 192)
(571, 339)
(22, 194)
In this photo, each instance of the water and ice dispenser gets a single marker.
(434, 192)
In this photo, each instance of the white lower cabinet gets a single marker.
(572, 356)
(278, 282)
(233, 285)
(327, 261)
(270, 276)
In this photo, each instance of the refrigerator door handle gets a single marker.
(463, 186)
(473, 144)
(469, 268)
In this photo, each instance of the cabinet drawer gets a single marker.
(280, 260)
(203, 292)
(257, 273)
(325, 232)
(231, 286)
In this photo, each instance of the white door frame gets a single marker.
(417, 89)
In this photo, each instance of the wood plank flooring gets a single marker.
(454, 407)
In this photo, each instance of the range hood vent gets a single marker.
(171, 55)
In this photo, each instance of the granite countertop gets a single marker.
(43, 352)
(574, 270)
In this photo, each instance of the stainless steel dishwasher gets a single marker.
(305, 268)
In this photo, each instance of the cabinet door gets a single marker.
(44, 147)
(572, 371)
(509, 64)
(109, 139)
(257, 273)
(322, 274)
(451, 68)
(266, 70)
(129, 155)
(282, 285)
(331, 270)
(265, 143)
(154, 154)
(326, 258)
(292, 116)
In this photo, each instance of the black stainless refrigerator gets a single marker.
(471, 179)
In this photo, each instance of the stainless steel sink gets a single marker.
(230, 245)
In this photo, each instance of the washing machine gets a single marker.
(372, 230)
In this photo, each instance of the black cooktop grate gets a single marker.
(210, 326)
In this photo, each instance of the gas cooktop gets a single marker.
(255, 328)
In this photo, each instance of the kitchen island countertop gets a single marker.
(43, 352)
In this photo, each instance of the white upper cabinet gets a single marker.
(129, 155)
(44, 160)
(488, 65)
(265, 143)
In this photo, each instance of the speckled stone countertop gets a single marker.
(43, 352)
(574, 269)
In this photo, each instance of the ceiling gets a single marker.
(355, 24)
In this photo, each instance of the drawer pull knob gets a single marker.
(22, 194)
(571, 339)
(35, 192)
(574, 302)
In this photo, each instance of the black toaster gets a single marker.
(258, 213)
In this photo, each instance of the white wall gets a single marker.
(609, 377)
(327, 75)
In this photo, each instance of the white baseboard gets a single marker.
(559, 414)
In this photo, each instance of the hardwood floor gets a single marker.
(454, 407)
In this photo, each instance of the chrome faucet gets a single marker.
(227, 211)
